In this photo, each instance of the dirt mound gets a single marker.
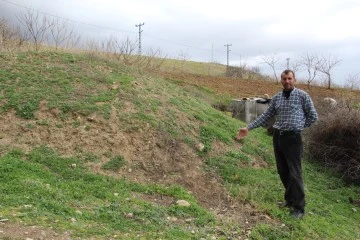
(152, 157)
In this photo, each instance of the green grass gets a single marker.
(44, 188)
(173, 65)
(330, 215)
(74, 85)
(41, 187)
(114, 164)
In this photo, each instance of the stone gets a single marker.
(200, 147)
(129, 215)
(183, 203)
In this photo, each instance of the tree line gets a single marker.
(313, 65)
(37, 31)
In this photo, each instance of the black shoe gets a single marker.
(297, 213)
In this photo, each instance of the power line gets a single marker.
(101, 27)
(180, 44)
(212, 52)
(113, 29)
(67, 19)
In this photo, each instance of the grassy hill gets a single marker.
(92, 149)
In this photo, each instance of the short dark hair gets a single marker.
(287, 71)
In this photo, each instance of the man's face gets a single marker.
(288, 81)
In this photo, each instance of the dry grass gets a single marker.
(335, 140)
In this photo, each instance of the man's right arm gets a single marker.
(264, 118)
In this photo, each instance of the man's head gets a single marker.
(288, 79)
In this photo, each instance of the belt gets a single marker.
(287, 132)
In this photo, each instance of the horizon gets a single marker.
(325, 29)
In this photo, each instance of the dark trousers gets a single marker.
(288, 149)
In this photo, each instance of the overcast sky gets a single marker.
(200, 29)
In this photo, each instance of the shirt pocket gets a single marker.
(296, 108)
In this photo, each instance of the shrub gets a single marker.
(335, 142)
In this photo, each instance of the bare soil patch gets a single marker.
(239, 88)
(11, 230)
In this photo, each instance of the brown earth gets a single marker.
(239, 88)
(152, 156)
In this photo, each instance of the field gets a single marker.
(94, 149)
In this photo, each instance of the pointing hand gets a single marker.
(243, 132)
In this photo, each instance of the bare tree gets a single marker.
(36, 27)
(127, 48)
(328, 63)
(73, 41)
(120, 50)
(110, 47)
(11, 38)
(242, 68)
(7, 35)
(152, 60)
(123, 51)
(311, 63)
(352, 81)
(254, 72)
(183, 56)
(60, 33)
(271, 61)
(92, 46)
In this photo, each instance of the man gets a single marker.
(293, 110)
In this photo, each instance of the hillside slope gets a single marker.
(94, 107)
(143, 142)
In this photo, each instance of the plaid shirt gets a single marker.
(294, 113)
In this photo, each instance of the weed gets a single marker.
(29, 126)
(42, 122)
(26, 110)
(114, 164)
(76, 124)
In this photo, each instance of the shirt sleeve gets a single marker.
(264, 118)
(310, 112)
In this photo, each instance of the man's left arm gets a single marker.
(310, 112)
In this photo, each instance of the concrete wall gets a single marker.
(247, 110)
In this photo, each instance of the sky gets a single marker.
(199, 30)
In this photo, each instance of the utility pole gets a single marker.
(212, 53)
(288, 63)
(140, 31)
(227, 52)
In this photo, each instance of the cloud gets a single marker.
(202, 28)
